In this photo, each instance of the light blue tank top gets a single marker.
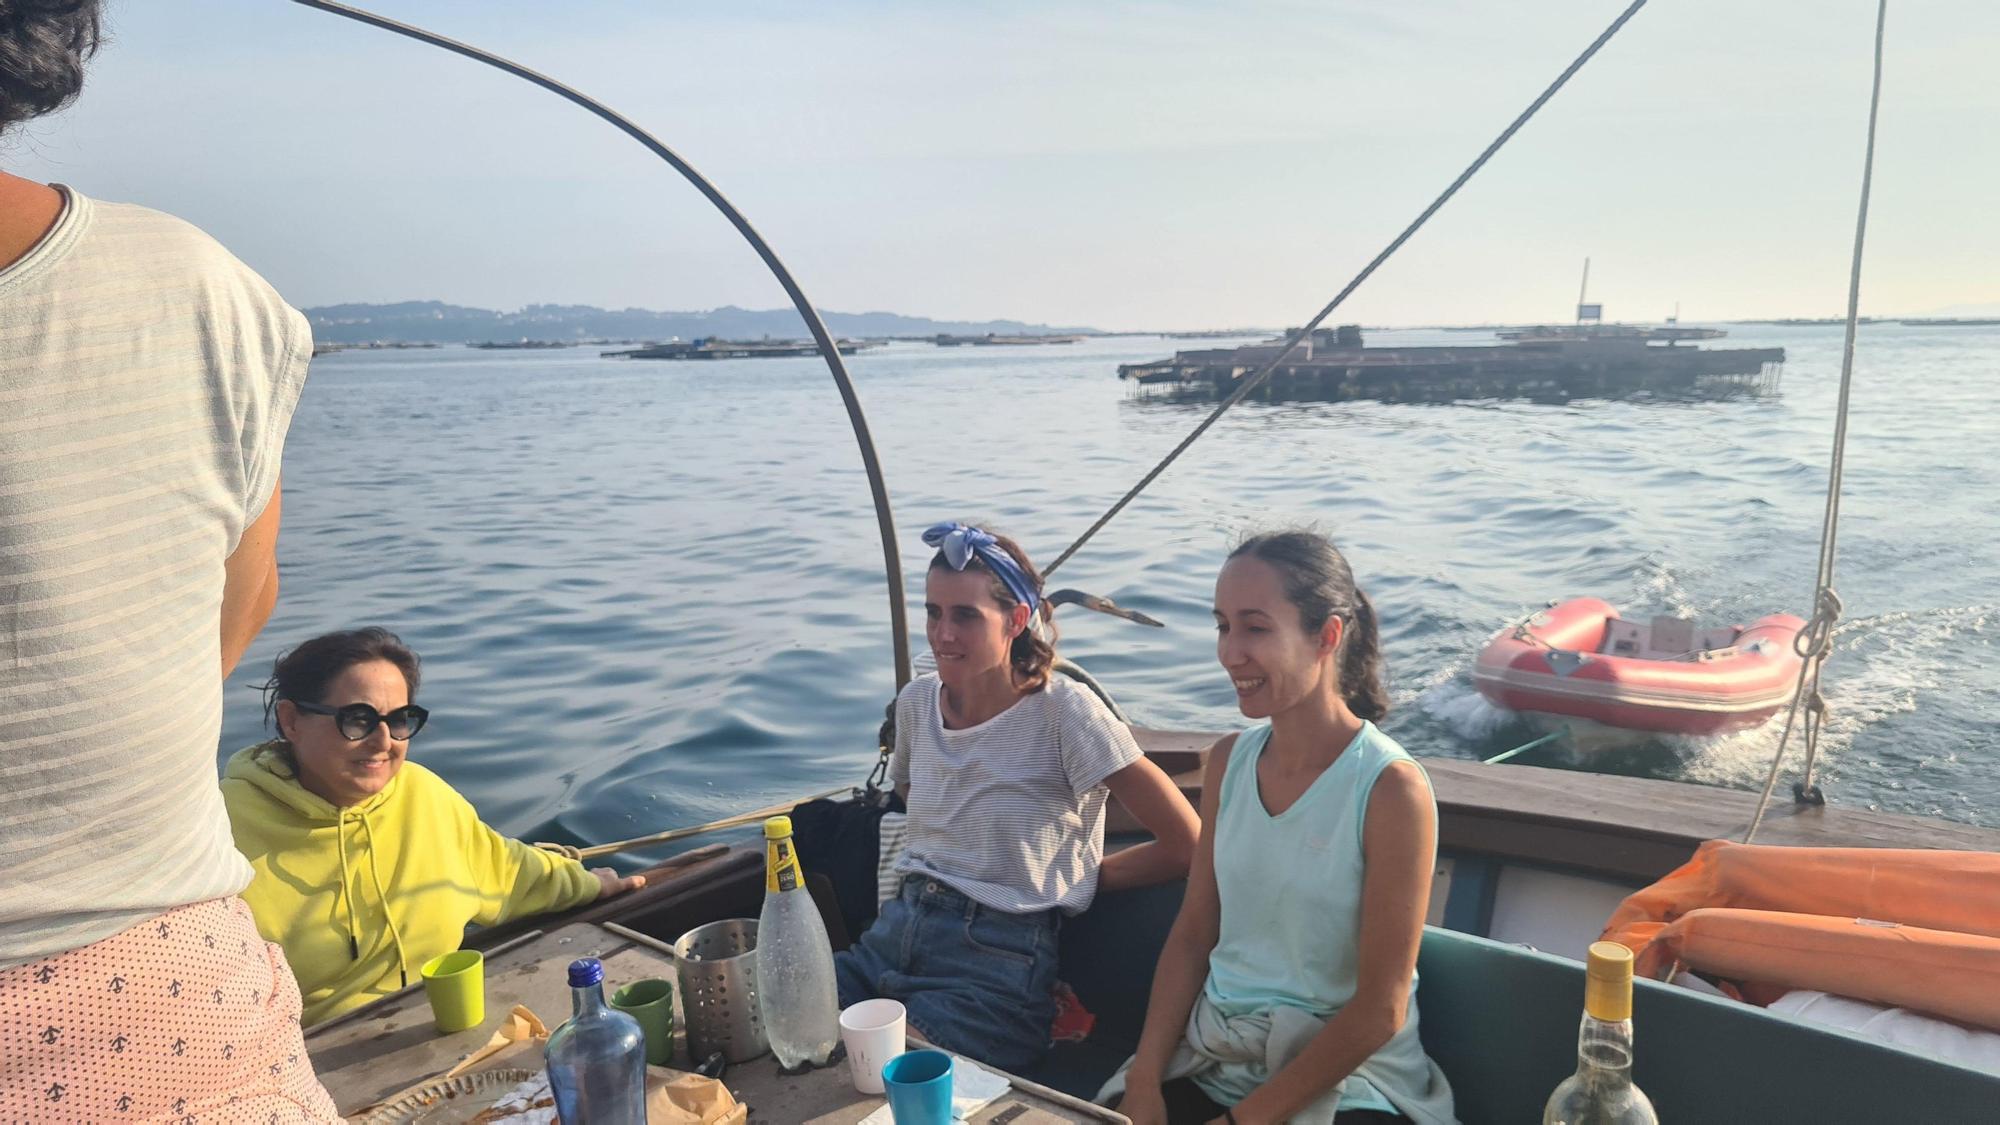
(1290, 887)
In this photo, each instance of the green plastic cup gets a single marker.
(456, 986)
(651, 1002)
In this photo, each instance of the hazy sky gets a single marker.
(1123, 165)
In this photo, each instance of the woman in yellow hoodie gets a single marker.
(367, 864)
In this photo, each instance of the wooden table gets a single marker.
(373, 1052)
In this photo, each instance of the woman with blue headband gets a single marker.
(1006, 771)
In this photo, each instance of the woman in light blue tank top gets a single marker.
(1287, 989)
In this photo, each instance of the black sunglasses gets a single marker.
(357, 721)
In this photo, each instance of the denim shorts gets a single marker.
(975, 980)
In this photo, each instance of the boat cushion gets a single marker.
(1108, 954)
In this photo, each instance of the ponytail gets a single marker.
(1361, 663)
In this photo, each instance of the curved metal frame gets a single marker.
(885, 522)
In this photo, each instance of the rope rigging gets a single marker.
(1815, 641)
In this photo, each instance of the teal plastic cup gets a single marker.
(919, 1087)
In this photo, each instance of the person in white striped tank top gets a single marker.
(1287, 988)
(147, 380)
(1006, 771)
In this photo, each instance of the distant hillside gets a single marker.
(423, 322)
(1990, 308)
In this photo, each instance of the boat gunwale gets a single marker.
(1630, 828)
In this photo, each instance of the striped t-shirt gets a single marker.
(146, 382)
(1010, 812)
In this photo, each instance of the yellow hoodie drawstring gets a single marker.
(346, 884)
(375, 874)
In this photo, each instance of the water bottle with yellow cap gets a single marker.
(795, 986)
(1601, 1091)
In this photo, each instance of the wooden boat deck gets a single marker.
(1475, 993)
(364, 1062)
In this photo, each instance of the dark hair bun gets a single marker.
(43, 45)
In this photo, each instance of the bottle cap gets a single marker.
(585, 972)
(1607, 984)
(777, 828)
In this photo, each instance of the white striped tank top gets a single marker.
(147, 379)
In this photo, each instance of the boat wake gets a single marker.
(1468, 714)
(1881, 667)
(1657, 583)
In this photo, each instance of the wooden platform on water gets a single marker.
(992, 340)
(733, 349)
(1337, 367)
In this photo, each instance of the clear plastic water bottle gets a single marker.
(597, 1061)
(795, 988)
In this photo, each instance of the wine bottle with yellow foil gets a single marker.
(1601, 1091)
(795, 985)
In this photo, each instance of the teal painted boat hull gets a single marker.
(1502, 1020)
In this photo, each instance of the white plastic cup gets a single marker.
(874, 1033)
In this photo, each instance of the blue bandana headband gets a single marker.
(962, 543)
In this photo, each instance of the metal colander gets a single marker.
(718, 975)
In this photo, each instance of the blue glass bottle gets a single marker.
(597, 1061)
